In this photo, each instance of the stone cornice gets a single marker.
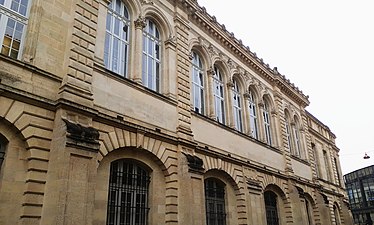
(219, 32)
(310, 116)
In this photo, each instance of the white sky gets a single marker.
(326, 48)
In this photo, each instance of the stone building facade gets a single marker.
(151, 112)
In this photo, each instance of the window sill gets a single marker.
(100, 68)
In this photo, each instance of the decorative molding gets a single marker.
(82, 137)
(147, 2)
(140, 23)
(195, 163)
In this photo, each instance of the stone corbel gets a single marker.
(195, 164)
(82, 137)
(211, 72)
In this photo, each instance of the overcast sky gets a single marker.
(326, 48)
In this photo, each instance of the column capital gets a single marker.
(230, 84)
(211, 72)
(140, 23)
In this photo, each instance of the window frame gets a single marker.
(123, 37)
(253, 118)
(198, 81)
(151, 56)
(3, 144)
(267, 123)
(218, 200)
(8, 14)
(271, 209)
(219, 95)
(237, 106)
(118, 192)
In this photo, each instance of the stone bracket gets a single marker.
(78, 136)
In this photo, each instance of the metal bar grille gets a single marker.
(215, 202)
(128, 194)
(2, 153)
(271, 208)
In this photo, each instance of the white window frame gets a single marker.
(288, 134)
(151, 71)
(218, 92)
(117, 20)
(267, 123)
(253, 123)
(198, 90)
(238, 120)
(7, 14)
(297, 139)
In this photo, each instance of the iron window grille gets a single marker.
(128, 194)
(271, 208)
(215, 202)
(2, 153)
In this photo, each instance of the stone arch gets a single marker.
(283, 205)
(194, 45)
(159, 192)
(266, 97)
(132, 6)
(223, 67)
(34, 125)
(163, 24)
(253, 88)
(13, 172)
(235, 191)
(240, 80)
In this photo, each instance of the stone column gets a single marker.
(261, 127)
(230, 113)
(169, 69)
(69, 192)
(275, 131)
(210, 93)
(136, 74)
(246, 121)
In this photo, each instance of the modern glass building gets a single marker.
(360, 188)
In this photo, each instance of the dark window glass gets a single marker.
(128, 194)
(2, 153)
(215, 202)
(271, 208)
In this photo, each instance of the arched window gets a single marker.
(151, 56)
(296, 134)
(219, 95)
(309, 211)
(288, 132)
(253, 115)
(237, 106)
(336, 215)
(271, 208)
(128, 194)
(116, 50)
(267, 127)
(215, 202)
(197, 83)
(13, 22)
(2, 151)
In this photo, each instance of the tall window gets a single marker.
(271, 208)
(215, 202)
(253, 115)
(308, 212)
(336, 215)
(288, 133)
(219, 95)
(338, 172)
(327, 167)
(151, 56)
(266, 115)
(197, 83)
(117, 38)
(237, 107)
(2, 150)
(296, 133)
(128, 194)
(13, 22)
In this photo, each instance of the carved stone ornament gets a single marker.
(212, 50)
(301, 192)
(194, 162)
(147, 2)
(84, 137)
(140, 23)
